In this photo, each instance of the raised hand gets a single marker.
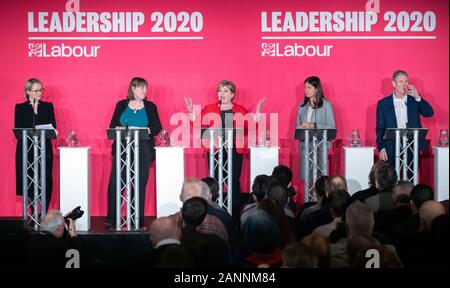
(413, 91)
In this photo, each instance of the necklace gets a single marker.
(136, 106)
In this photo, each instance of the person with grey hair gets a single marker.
(401, 109)
(193, 187)
(217, 221)
(49, 246)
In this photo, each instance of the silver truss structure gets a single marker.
(313, 168)
(34, 174)
(407, 142)
(224, 146)
(127, 188)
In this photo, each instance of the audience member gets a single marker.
(49, 246)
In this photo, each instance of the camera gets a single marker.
(74, 214)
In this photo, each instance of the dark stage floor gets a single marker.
(102, 246)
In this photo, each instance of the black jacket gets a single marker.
(23, 118)
(153, 122)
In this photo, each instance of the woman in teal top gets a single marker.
(135, 111)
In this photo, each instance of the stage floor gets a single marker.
(102, 246)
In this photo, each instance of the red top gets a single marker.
(211, 119)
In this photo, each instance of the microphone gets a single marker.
(34, 104)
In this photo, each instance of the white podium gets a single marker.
(441, 173)
(262, 161)
(169, 180)
(74, 183)
(358, 162)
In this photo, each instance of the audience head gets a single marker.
(419, 195)
(261, 185)
(194, 211)
(283, 174)
(337, 201)
(278, 193)
(53, 223)
(375, 167)
(428, 212)
(213, 187)
(164, 228)
(401, 192)
(321, 247)
(385, 177)
(359, 219)
(335, 183)
(319, 189)
(260, 232)
(299, 255)
(194, 187)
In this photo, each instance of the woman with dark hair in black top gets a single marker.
(135, 111)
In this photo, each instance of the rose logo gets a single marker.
(35, 50)
(268, 49)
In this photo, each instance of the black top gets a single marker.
(224, 114)
(23, 115)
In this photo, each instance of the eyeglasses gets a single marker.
(36, 91)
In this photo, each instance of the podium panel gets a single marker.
(262, 161)
(358, 162)
(74, 183)
(441, 173)
(169, 180)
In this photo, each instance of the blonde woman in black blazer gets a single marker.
(28, 114)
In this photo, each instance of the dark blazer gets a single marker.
(23, 118)
(386, 119)
(153, 122)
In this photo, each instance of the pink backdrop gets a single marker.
(84, 91)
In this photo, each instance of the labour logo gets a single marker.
(34, 49)
(268, 49)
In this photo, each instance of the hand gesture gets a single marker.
(188, 102)
(71, 228)
(413, 91)
(383, 155)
